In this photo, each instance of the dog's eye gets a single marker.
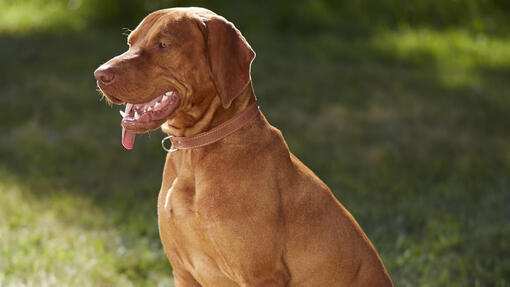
(163, 44)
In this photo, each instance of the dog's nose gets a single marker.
(104, 75)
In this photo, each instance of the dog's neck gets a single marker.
(211, 115)
(187, 160)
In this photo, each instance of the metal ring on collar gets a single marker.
(164, 146)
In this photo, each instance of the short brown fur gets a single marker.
(243, 211)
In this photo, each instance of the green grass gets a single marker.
(408, 127)
(29, 15)
(460, 57)
(63, 239)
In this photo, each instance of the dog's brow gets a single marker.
(166, 33)
(130, 38)
(163, 35)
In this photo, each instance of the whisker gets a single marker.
(126, 31)
(104, 97)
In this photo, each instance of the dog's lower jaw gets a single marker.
(185, 123)
(199, 119)
(141, 118)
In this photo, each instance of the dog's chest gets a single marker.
(179, 222)
(184, 235)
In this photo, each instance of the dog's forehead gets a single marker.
(157, 21)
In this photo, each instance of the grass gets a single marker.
(409, 128)
(27, 15)
(63, 239)
(460, 57)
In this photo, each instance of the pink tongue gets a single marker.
(128, 138)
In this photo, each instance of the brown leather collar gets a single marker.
(215, 134)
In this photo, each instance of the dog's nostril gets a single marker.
(105, 76)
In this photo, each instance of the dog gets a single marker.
(236, 207)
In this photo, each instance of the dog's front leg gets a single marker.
(247, 232)
(277, 279)
(183, 279)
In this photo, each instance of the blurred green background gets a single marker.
(401, 107)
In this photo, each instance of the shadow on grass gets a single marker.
(423, 165)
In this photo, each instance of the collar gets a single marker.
(213, 135)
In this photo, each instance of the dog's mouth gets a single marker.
(141, 118)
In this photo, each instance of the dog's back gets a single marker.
(324, 244)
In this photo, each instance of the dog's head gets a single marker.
(178, 59)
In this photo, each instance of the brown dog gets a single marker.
(236, 207)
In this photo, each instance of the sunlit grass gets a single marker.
(460, 57)
(36, 15)
(63, 239)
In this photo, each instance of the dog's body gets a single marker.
(244, 211)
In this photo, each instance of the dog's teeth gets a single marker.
(156, 104)
(137, 116)
(123, 114)
(128, 107)
(149, 109)
(164, 98)
(168, 93)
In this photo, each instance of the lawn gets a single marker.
(408, 126)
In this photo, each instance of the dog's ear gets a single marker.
(229, 56)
